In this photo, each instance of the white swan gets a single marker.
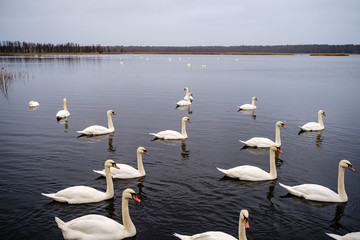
(251, 173)
(188, 94)
(320, 193)
(265, 142)
(314, 126)
(33, 104)
(171, 134)
(217, 235)
(98, 227)
(99, 130)
(63, 113)
(125, 171)
(186, 102)
(84, 194)
(349, 236)
(249, 106)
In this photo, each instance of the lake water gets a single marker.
(183, 191)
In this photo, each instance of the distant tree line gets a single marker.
(27, 47)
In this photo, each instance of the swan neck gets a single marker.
(341, 184)
(320, 120)
(253, 102)
(110, 122)
(109, 183)
(187, 92)
(65, 108)
(183, 129)
(242, 231)
(277, 135)
(128, 224)
(273, 172)
(140, 163)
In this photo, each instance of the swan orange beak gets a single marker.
(135, 198)
(324, 113)
(279, 150)
(283, 125)
(114, 165)
(189, 120)
(113, 113)
(146, 153)
(352, 169)
(246, 222)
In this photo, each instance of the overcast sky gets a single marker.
(181, 22)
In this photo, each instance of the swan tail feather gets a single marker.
(221, 170)
(243, 142)
(59, 222)
(99, 172)
(335, 236)
(183, 237)
(49, 195)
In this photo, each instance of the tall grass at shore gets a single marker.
(8, 77)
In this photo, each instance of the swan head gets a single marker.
(254, 98)
(244, 217)
(346, 164)
(280, 123)
(142, 150)
(64, 100)
(186, 119)
(322, 112)
(186, 88)
(130, 194)
(276, 148)
(110, 163)
(111, 112)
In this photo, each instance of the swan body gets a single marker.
(249, 106)
(314, 126)
(63, 113)
(171, 134)
(186, 102)
(188, 95)
(97, 227)
(262, 142)
(349, 236)
(320, 193)
(99, 130)
(251, 173)
(125, 171)
(217, 235)
(84, 194)
(33, 104)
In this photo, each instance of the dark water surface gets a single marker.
(183, 191)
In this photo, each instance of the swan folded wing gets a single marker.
(80, 194)
(212, 235)
(95, 130)
(63, 113)
(247, 107)
(183, 103)
(311, 126)
(125, 172)
(247, 173)
(168, 134)
(313, 192)
(258, 142)
(95, 225)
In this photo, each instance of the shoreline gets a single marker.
(174, 53)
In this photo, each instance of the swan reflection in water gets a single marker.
(248, 112)
(184, 152)
(250, 185)
(101, 137)
(318, 134)
(185, 108)
(339, 211)
(33, 108)
(64, 121)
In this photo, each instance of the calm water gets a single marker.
(183, 191)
